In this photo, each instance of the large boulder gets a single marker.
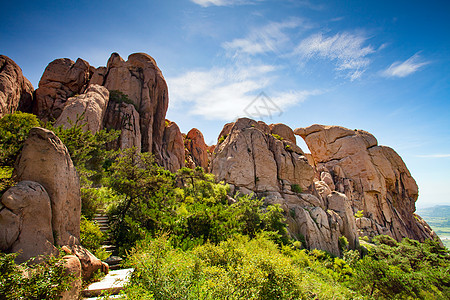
(197, 150)
(173, 154)
(45, 159)
(91, 105)
(26, 221)
(374, 178)
(249, 156)
(61, 80)
(142, 81)
(16, 92)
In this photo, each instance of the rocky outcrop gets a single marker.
(252, 158)
(61, 80)
(142, 81)
(172, 147)
(26, 221)
(141, 117)
(45, 159)
(373, 177)
(16, 92)
(124, 117)
(91, 106)
(256, 158)
(196, 149)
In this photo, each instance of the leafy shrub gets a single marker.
(119, 97)
(296, 188)
(359, 214)
(222, 138)
(277, 136)
(95, 199)
(91, 237)
(238, 268)
(46, 280)
(88, 151)
(14, 129)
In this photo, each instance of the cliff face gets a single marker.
(346, 172)
(373, 177)
(16, 92)
(142, 121)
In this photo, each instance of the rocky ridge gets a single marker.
(346, 172)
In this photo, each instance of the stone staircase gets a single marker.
(114, 281)
(103, 222)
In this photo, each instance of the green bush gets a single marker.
(46, 280)
(359, 214)
(14, 129)
(296, 188)
(119, 97)
(277, 137)
(235, 269)
(92, 238)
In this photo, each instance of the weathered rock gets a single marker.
(89, 263)
(251, 157)
(283, 131)
(373, 177)
(45, 159)
(61, 80)
(91, 105)
(142, 81)
(124, 117)
(16, 92)
(197, 149)
(72, 267)
(172, 147)
(26, 221)
(341, 205)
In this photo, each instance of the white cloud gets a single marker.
(206, 3)
(403, 69)
(227, 93)
(269, 38)
(347, 50)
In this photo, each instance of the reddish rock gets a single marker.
(61, 80)
(172, 147)
(196, 148)
(45, 159)
(26, 221)
(16, 92)
(72, 267)
(373, 177)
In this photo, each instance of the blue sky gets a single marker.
(381, 66)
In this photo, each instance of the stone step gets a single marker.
(111, 284)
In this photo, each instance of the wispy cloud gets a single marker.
(435, 156)
(346, 50)
(225, 93)
(206, 3)
(403, 69)
(269, 38)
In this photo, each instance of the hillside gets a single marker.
(438, 217)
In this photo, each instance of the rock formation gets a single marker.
(196, 149)
(61, 80)
(124, 117)
(16, 92)
(141, 117)
(90, 105)
(45, 159)
(255, 157)
(26, 221)
(172, 147)
(373, 177)
(252, 158)
(141, 80)
(44, 208)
